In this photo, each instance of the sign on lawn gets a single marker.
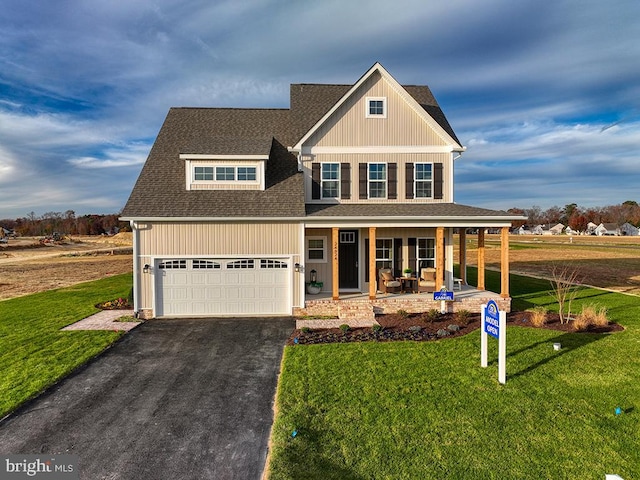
(443, 295)
(492, 319)
(494, 323)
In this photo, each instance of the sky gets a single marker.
(544, 95)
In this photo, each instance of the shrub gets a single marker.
(305, 330)
(376, 327)
(433, 315)
(464, 316)
(403, 313)
(538, 316)
(590, 315)
(344, 328)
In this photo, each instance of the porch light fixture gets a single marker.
(146, 268)
(297, 267)
(313, 276)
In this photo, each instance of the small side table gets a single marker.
(457, 283)
(412, 284)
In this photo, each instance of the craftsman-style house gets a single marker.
(237, 210)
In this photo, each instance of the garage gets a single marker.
(187, 287)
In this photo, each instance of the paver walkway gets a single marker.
(105, 320)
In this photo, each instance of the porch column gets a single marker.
(481, 259)
(504, 262)
(463, 255)
(334, 264)
(439, 257)
(372, 263)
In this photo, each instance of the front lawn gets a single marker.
(427, 409)
(34, 353)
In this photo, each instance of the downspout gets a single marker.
(136, 269)
(298, 155)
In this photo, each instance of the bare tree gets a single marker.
(564, 284)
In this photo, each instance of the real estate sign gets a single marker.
(494, 323)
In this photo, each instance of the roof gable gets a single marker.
(427, 110)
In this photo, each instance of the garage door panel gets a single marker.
(222, 287)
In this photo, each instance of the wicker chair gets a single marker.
(386, 282)
(427, 280)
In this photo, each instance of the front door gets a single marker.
(348, 259)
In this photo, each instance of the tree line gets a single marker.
(578, 217)
(66, 223)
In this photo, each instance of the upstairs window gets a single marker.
(330, 180)
(377, 180)
(225, 173)
(376, 107)
(423, 180)
(203, 173)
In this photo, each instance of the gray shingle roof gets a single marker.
(401, 210)
(160, 190)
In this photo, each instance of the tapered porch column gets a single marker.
(334, 264)
(481, 259)
(372, 263)
(439, 257)
(463, 255)
(504, 262)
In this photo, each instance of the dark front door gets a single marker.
(348, 258)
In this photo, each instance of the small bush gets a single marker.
(538, 316)
(403, 313)
(464, 316)
(590, 316)
(344, 328)
(376, 327)
(305, 330)
(433, 315)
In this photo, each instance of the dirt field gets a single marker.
(607, 262)
(26, 267)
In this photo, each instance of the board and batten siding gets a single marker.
(400, 160)
(349, 126)
(214, 239)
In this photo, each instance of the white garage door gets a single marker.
(248, 286)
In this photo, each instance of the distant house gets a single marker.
(591, 228)
(607, 229)
(523, 231)
(628, 229)
(556, 229)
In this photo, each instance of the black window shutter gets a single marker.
(345, 181)
(437, 181)
(362, 180)
(366, 260)
(315, 181)
(409, 180)
(397, 256)
(393, 181)
(413, 253)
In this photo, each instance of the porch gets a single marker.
(359, 310)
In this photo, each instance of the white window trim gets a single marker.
(391, 250)
(419, 258)
(367, 104)
(324, 249)
(415, 179)
(190, 174)
(338, 180)
(386, 181)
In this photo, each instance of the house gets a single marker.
(607, 229)
(557, 229)
(236, 211)
(628, 229)
(591, 228)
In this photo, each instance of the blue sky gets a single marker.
(545, 95)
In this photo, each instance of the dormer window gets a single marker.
(224, 174)
(376, 107)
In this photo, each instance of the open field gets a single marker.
(605, 262)
(26, 267)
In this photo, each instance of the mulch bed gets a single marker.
(419, 327)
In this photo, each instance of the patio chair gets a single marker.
(386, 282)
(427, 280)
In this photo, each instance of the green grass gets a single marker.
(427, 410)
(34, 353)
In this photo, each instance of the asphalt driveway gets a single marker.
(174, 399)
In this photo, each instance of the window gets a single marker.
(225, 173)
(272, 264)
(330, 180)
(240, 264)
(316, 249)
(376, 107)
(384, 253)
(426, 253)
(205, 264)
(173, 264)
(203, 173)
(377, 180)
(423, 180)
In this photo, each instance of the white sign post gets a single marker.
(494, 323)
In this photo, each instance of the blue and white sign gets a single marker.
(492, 319)
(443, 296)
